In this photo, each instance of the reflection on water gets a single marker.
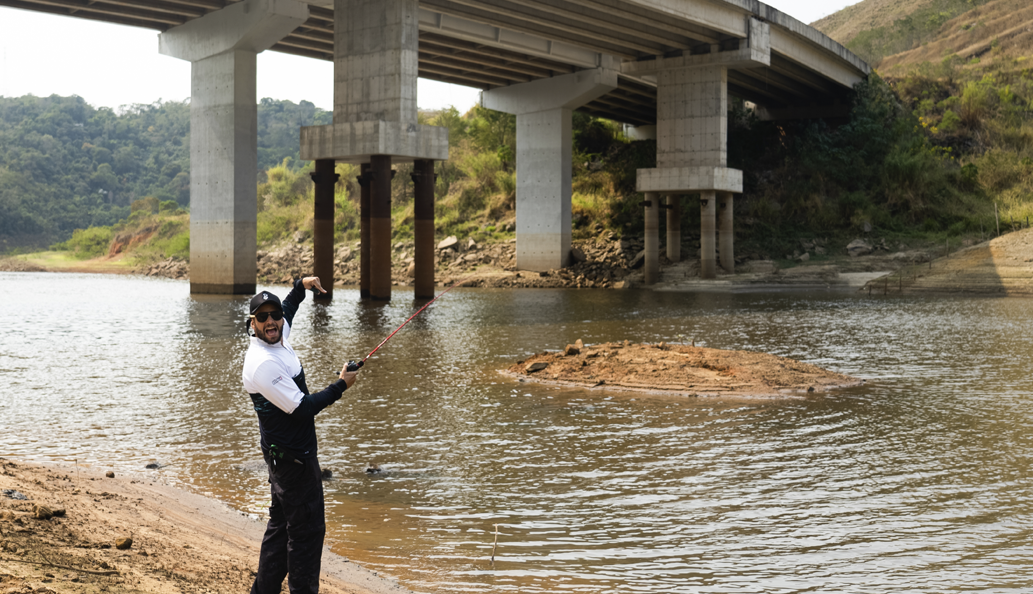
(916, 481)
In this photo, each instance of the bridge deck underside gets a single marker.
(620, 31)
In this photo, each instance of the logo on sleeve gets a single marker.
(278, 379)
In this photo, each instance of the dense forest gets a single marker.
(66, 165)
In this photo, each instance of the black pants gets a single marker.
(293, 541)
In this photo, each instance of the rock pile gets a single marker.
(171, 268)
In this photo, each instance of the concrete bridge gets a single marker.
(666, 67)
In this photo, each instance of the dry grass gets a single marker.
(999, 33)
(844, 25)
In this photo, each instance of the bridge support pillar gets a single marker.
(222, 48)
(376, 58)
(725, 202)
(380, 228)
(325, 180)
(674, 227)
(423, 229)
(652, 240)
(707, 235)
(365, 179)
(543, 159)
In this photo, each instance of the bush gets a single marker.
(87, 243)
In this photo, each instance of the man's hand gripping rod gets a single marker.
(357, 365)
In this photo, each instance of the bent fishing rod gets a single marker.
(357, 365)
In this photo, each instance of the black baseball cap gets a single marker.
(262, 298)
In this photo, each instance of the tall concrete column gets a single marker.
(652, 257)
(423, 227)
(543, 205)
(727, 237)
(323, 226)
(365, 183)
(380, 228)
(708, 213)
(544, 143)
(674, 227)
(222, 47)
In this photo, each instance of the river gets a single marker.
(916, 481)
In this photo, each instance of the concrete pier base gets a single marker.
(325, 180)
(380, 228)
(423, 229)
(222, 47)
(708, 212)
(674, 227)
(365, 181)
(726, 235)
(652, 247)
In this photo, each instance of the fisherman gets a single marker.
(293, 543)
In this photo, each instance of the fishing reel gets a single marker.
(354, 366)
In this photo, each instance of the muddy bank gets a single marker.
(83, 532)
(677, 369)
(1001, 266)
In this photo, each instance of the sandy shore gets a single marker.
(180, 541)
(677, 369)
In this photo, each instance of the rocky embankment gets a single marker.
(677, 369)
(169, 268)
(604, 261)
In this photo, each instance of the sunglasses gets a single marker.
(264, 315)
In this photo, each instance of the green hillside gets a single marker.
(66, 165)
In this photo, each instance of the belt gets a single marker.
(277, 454)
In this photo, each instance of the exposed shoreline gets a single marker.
(181, 541)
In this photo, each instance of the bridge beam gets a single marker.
(222, 48)
(543, 161)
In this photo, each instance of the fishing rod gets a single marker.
(357, 365)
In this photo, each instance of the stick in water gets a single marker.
(494, 546)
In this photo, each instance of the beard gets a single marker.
(263, 334)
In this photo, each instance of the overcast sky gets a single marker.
(113, 65)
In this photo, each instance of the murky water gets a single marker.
(918, 481)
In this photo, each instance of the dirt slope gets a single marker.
(1001, 266)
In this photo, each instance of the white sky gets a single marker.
(113, 65)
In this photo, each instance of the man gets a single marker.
(273, 376)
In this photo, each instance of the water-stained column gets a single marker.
(652, 257)
(726, 235)
(674, 227)
(708, 214)
(423, 231)
(325, 180)
(380, 228)
(365, 180)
